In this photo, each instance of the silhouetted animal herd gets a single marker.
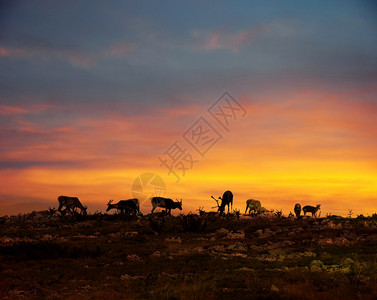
(72, 205)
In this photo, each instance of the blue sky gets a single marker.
(151, 52)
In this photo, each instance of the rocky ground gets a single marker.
(187, 257)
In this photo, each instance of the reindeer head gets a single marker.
(221, 209)
(179, 204)
(51, 211)
(318, 206)
(109, 205)
(83, 210)
(201, 210)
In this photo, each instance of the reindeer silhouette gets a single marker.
(225, 200)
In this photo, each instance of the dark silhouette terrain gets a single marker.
(158, 256)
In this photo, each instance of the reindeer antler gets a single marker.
(217, 202)
(110, 202)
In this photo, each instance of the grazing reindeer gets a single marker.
(125, 206)
(46, 213)
(297, 210)
(225, 200)
(70, 204)
(311, 209)
(253, 205)
(203, 213)
(42, 214)
(166, 203)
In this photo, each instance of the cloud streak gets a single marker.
(77, 57)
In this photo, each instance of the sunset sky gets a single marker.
(95, 93)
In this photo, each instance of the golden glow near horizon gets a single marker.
(298, 150)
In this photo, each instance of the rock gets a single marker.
(46, 237)
(175, 239)
(254, 247)
(163, 274)
(268, 232)
(287, 243)
(350, 235)
(239, 255)
(217, 248)
(341, 241)
(222, 231)
(244, 269)
(131, 234)
(201, 239)
(129, 277)
(236, 235)
(327, 241)
(133, 258)
(317, 266)
(198, 249)
(84, 224)
(237, 247)
(6, 240)
(182, 252)
(274, 288)
(156, 254)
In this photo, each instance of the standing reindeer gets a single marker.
(311, 209)
(225, 200)
(70, 204)
(130, 206)
(297, 209)
(166, 203)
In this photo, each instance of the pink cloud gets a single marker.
(10, 51)
(11, 110)
(120, 49)
(233, 41)
(23, 109)
(76, 57)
